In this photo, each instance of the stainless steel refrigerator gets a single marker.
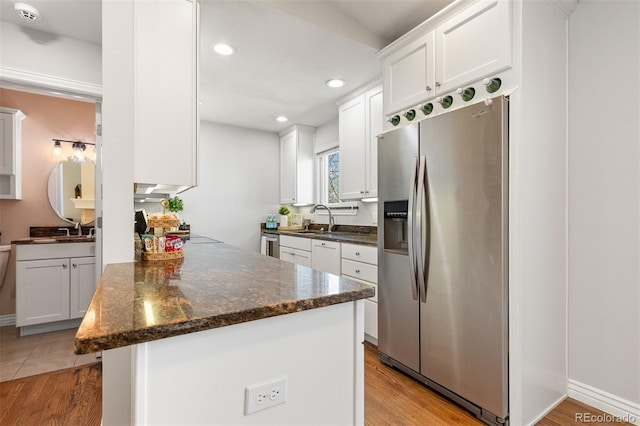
(442, 242)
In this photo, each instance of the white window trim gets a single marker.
(343, 208)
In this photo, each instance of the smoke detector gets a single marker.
(26, 11)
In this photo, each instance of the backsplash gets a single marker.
(54, 231)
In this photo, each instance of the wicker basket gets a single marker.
(169, 255)
(164, 223)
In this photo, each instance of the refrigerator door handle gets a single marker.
(419, 220)
(410, 223)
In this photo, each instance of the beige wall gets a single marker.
(47, 118)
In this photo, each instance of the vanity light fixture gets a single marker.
(224, 49)
(78, 147)
(57, 148)
(78, 152)
(335, 83)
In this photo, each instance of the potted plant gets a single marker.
(284, 215)
(175, 204)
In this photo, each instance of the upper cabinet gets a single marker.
(11, 153)
(468, 46)
(410, 74)
(166, 38)
(360, 119)
(296, 165)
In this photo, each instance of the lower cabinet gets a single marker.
(361, 263)
(325, 256)
(295, 250)
(53, 289)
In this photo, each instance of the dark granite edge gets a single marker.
(149, 334)
(38, 241)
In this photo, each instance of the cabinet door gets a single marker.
(82, 285)
(11, 153)
(288, 168)
(375, 123)
(42, 291)
(325, 256)
(351, 119)
(165, 92)
(409, 74)
(473, 44)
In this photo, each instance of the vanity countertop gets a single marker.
(56, 240)
(215, 285)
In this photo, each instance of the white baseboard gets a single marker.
(620, 409)
(7, 320)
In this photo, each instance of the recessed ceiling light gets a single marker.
(282, 118)
(224, 49)
(27, 11)
(335, 83)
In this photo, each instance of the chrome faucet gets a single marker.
(65, 230)
(92, 232)
(79, 228)
(331, 222)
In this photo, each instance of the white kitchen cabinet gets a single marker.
(409, 74)
(54, 283)
(295, 250)
(361, 263)
(451, 52)
(11, 153)
(474, 44)
(360, 121)
(296, 165)
(325, 256)
(165, 104)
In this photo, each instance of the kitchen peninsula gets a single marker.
(182, 341)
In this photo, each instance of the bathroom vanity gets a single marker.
(55, 281)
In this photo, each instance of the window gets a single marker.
(329, 176)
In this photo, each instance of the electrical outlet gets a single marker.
(265, 395)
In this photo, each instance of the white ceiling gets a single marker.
(286, 50)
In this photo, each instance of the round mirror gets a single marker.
(72, 191)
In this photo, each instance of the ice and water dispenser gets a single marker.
(395, 226)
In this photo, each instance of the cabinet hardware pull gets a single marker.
(357, 271)
(75, 265)
(357, 253)
(428, 88)
(437, 84)
(64, 265)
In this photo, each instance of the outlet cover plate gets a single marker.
(265, 395)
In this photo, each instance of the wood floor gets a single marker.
(66, 397)
(73, 397)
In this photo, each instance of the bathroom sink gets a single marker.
(44, 240)
(75, 238)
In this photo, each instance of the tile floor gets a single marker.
(38, 353)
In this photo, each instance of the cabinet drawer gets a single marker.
(363, 271)
(54, 250)
(295, 242)
(359, 253)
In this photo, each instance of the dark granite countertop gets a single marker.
(215, 285)
(364, 235)
(55, 240)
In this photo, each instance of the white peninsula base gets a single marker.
(200, 378)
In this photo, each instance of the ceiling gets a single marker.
(286, 51)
